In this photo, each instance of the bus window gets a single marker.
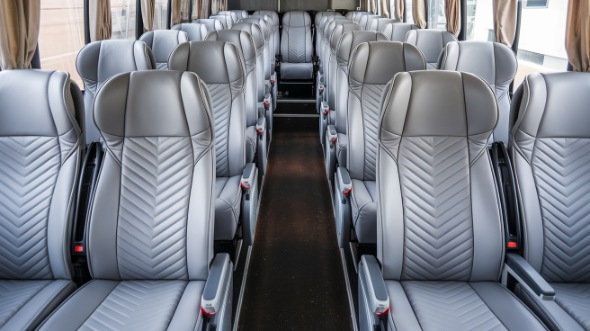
(61, 35)
(409, 14)
(542, 38)
(436, 15)
(480, 20)
(123, 19)
(161, 14)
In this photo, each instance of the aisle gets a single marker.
(295, 281)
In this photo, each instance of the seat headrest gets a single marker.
(376, 62)
(397, 31)
(225, 20)
(231, 14)
(254, 30)
(296, 19)
(241, 39)
(240, 13)
(319, 15)
(51, 112)
(194, 31)
(262, 24)
(340, 29)
(274, 16)
(196, 56)
(122, 55)
(377, 24)
(430, 42)
(211, 24)
(552, 105)
(326, 21)
(438, 103)
(350, 40)
(153, 104)
(162, 42)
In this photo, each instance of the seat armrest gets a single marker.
(261, 125)
(331, 134)
(525, 274)
(217, 284)
(344, 181)
(325, 109)
(377, 297)
(248, 176)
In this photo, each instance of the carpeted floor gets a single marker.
(295, 281)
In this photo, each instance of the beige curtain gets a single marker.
(453, 14)
(215, 6)
(505, 20)
(385, 8)
(175, 15)
(147, 14)
(419, 13)
(373, 6)
(397, 10)
(19, 32)
(202, 9)
(100, 22)
(577, 35)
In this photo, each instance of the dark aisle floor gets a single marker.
(295, 281)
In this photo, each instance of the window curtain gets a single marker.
(19, 32)
(453, 14)
(505, 20)
(201, 9)
(100, 22)
(577, 35)
(147, 14)
(419, 13)
(217, 6)
(175, 15)
(385, 6)
(397, 10)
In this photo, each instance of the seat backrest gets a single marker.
(101, 60)
(225, 83)
(550, 152)
(397, 31)
(225, 19)
(495, 63)
(271, 40)
(438, 216)
(254, 30)
(430, 42)
(344, 48)
(340, 28)
(357, 16)
(276, 23)
(296, 45)
(265, 29)
(322, 35)
(231, 14)
(151, 216)
(372, 65)
(40, 152)
(194, 31)
(240, 14)
(317, 19)
(162, 42)
(211, 24)
(364, 20)
(377, 24)
(245, 45)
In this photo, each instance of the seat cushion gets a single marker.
(575, 300)
(425, 305)
(364, 211)
(227, 206)
(296, 70)
(26, 303)
(130, 305)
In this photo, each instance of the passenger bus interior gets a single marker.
(373, 165)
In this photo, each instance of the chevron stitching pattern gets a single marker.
(137, 305)
(573, 298)
(221, 102)
(371, 107)
(15, 294)
(450, 306)
(297, 45)
(434, 176)
(562, 172)
(155, 189)
(28, 171)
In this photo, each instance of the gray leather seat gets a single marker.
(150, 224)
(495, 63)
(231, 14)
(245, 45)
(366, 20)
(320, 82)
(267, 26)
(296, 46)
(317, 19)
(211, 24)
(441, 239)
(194, 31)
(101, 60)
(549, 148)
(335, 151)
(430, 42)
(240, 14)
(274, 31)
(225, 83)
(226, 19)
(162, 43)
(378, 23)
(397, 31)
(357, 16)
(367, 78)
(40, 152)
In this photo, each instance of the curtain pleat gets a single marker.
(577, 35)
(453, 15)
(19, 32)
(419, 13)
(505, 20)
(147, 14)
(397, 10)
